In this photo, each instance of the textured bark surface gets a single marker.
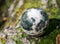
(58, 39)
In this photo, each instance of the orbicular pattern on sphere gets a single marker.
(34, 21)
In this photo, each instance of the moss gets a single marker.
(58, 2)
(2, 41)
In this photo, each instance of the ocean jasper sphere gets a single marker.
(34, 21)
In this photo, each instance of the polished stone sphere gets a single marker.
(34, 21)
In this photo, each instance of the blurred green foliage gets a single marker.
(58, 2)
